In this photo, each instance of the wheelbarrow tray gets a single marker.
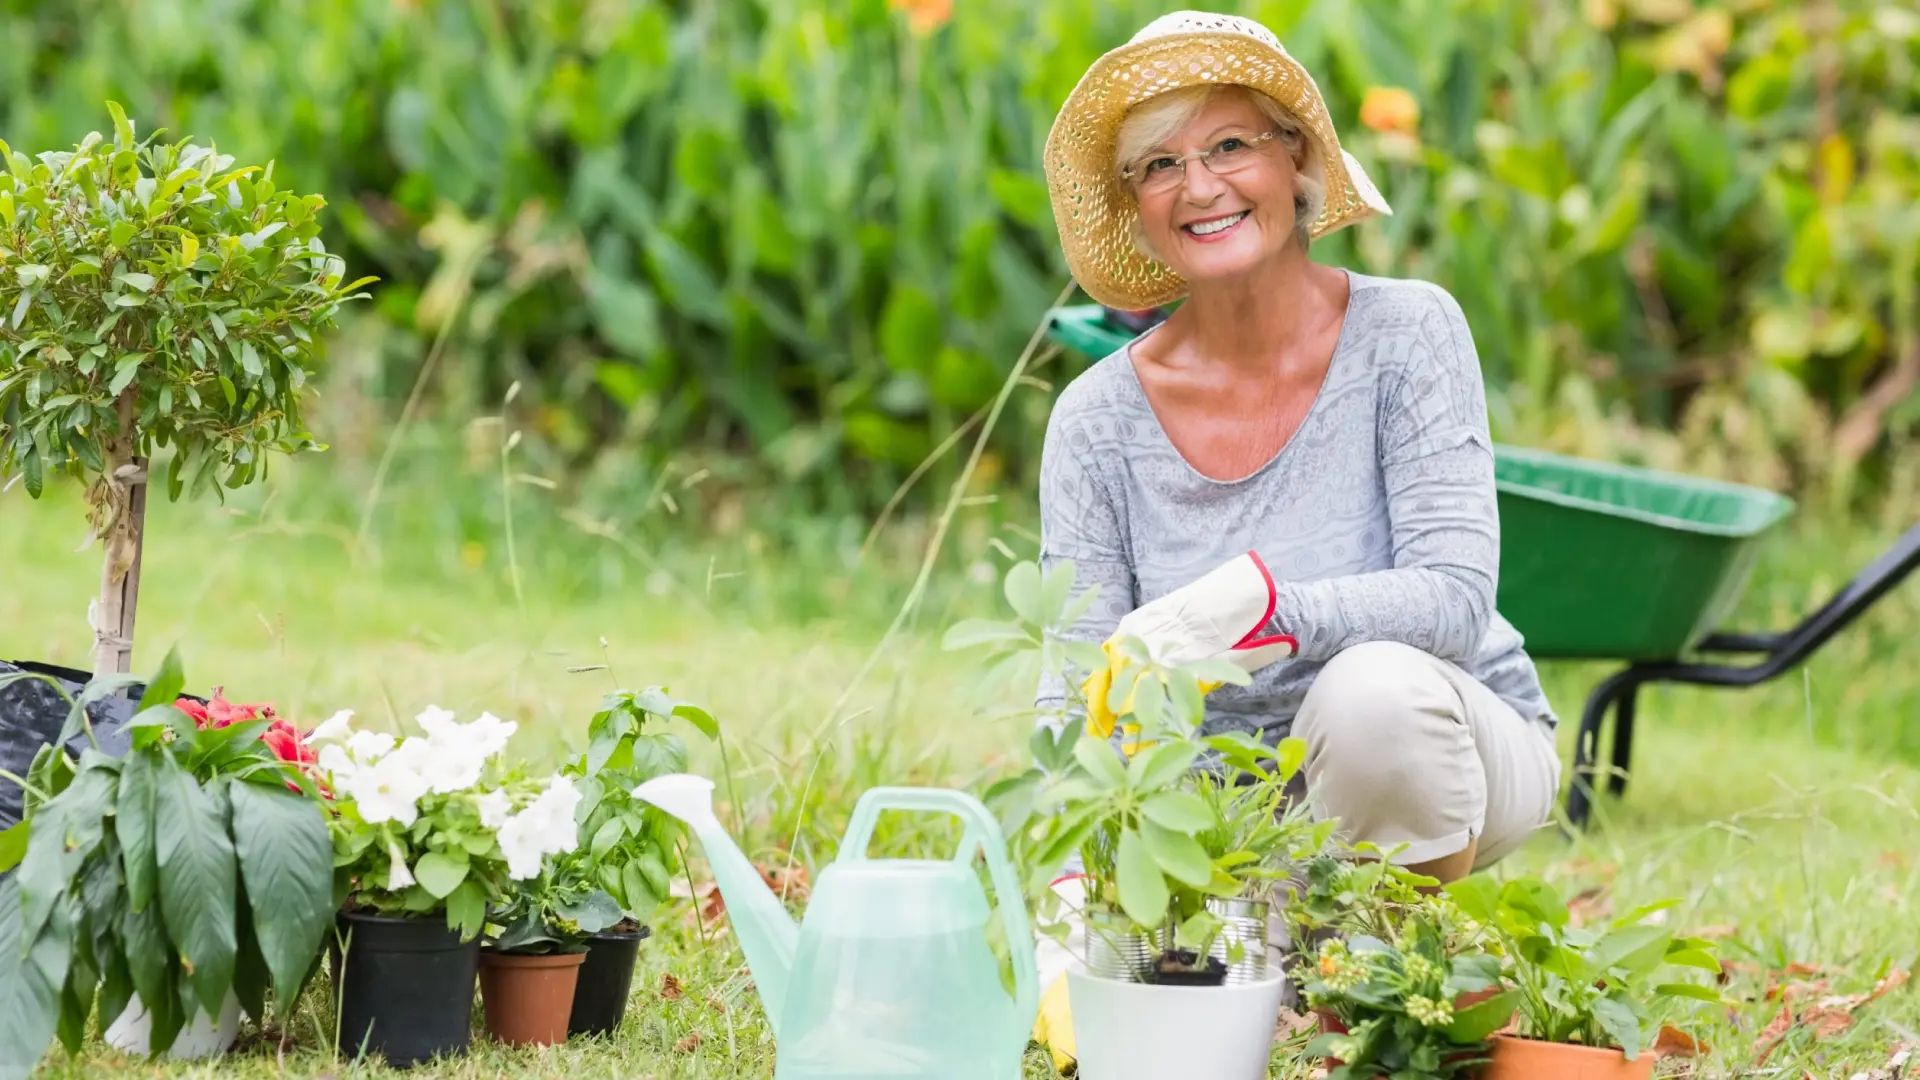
(1597, 560)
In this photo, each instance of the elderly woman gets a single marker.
(1293, 471)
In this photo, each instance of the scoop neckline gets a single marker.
(1313, 410)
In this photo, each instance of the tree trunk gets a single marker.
(125, 486)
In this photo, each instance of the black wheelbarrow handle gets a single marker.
(1778, 652)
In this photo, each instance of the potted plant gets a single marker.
(428, 830)
(152, 295)
(631, 847)
(1422, 1001)
(171, 887)
(528, 972)
(1591, 1000)
(1117, 784)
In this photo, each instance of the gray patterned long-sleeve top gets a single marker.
(1377, 518)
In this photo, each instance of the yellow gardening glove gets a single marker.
(1053, 1028)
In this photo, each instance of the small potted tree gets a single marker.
(1591, 1000)
(153, 296)
(173, 886)
(429, 831)
(631, 847)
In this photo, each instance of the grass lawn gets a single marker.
(1783, 817)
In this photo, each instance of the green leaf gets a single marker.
(609, 834)
(595, 912)
(467, 909)
(654, 870)
(167, 683)
(134, 826)
(30, 987)
(198, 880)
(911, 330)
(1180, 856)
(1635, 949)
(1097, 757)
(1617, 1019)
(122, 128)
(439, 874)
(968, 633)
(1695, 958)
(1022, 589)
(1161, 765)
(251, 977)
(1143, 891)
(1056, 587)
(1690, 990)
(13, 844)
(1181, 811)
(250, 359)
(286, 860)
(1476, 1023)
(144, 940)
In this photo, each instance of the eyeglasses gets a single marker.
(1166, 172)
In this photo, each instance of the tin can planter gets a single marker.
(404, 988)
(1515, 1058)
(1115, 950)
(605, 982)
(528, 997)
(1245, 929)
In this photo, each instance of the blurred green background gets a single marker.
(791, 245)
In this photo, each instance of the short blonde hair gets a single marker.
(1159, 118)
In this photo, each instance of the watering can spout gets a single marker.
(768, 935)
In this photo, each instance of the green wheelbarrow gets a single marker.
(1610, 562)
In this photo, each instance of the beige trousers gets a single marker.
(1407, 749)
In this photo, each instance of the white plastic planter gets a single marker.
(1135, 1031)
(132, 1033)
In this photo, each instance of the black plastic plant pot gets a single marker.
(404, 988)
(600, 996)
(1183, 968)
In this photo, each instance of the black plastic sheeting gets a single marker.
(32, 713)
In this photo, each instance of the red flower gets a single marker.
(195, 711)
(284, 740)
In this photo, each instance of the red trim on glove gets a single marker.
(1064, 877)
(1276, 639)
(1273, 599)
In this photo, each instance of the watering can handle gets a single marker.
(982, 832)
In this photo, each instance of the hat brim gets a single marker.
(1092, 208)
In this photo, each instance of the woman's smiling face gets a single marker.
(1218, 219)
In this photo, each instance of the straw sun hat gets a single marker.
(1093, 207)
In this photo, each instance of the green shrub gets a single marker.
(800, 241)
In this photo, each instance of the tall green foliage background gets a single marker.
(802, 241)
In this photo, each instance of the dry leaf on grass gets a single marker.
(1824, 1017)
(687, 1045)
(1673, 1042)
(670, 988)
(1590, 905)
(789, 883)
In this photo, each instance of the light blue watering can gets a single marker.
(890, 975)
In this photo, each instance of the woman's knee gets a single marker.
(1366, 702)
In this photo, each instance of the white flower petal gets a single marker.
(368, 747)
(495, 807)
(337, 728)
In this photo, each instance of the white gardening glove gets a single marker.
(1219, 615)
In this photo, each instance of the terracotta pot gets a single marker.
(1530, 1059)
(528, 998)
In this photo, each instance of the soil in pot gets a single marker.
(404, 987)
(1515, 1058)
(606, 979)
(1183, 967)
(528, 998)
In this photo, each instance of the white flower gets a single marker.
(544, 828)
(335, 759)
(368, 747)
(520, 842)
(387, 790)
(495, 807)
(448, 771)
(437, 722)
(336, 729)
(398, 876)
(490, 734)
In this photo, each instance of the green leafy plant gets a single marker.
(1423, 1002)
(153, 295)
(1594, 986)
(183, 871)
(557, 911)
(1118, 778)
(633, 848)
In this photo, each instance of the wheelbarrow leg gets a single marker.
(1586, 745)
(1623, 737)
